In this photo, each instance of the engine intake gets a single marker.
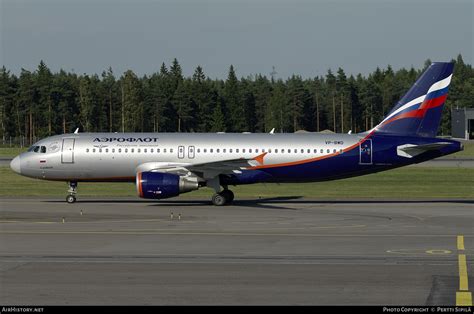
(159, 185)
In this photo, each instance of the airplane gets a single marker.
(164, 165)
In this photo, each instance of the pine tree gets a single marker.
(299, 99)
(202, 100)
(183, 108)
(218, 120)
(110, 89)
(233, 103)
(176, 74)
(342, 97)
(132, 107)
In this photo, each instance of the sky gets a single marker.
(296, 37)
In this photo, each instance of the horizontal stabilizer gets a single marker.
(412, 150)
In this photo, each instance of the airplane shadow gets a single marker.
(268, 202)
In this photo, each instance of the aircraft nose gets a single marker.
(15, 164)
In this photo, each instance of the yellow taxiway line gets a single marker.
(463, 296)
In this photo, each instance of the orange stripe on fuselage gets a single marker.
(304, 161)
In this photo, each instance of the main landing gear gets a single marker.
(222, 198)
(71, 198)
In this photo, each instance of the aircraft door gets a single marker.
(190, 152)
(181, 152)
(365, 149)
(67, 152)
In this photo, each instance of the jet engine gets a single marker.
(159, 185)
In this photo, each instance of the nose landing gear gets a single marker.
(71, 198)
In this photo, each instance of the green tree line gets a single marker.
(41, 103)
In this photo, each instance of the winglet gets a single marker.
(77, 131)
(272, 131)
(259, 158)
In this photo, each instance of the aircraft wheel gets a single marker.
(70, 199)
(229, 195)
(219, 199)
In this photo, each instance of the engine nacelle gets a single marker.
(159, 185)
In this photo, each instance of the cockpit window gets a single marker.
(37, 149)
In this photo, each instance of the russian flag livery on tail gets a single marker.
(164, 165)
(418, 113)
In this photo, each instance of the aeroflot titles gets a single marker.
(126, 139)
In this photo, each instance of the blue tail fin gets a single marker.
(418, 113)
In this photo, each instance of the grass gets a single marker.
(468, 151)
(406, 183)
(10, 152)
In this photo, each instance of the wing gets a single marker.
(207, 170)
(411, 150)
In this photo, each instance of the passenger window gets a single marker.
(119, 150)
(322, 150)
(217, 150)
(198, 150)
(158, 150)
(43, 149)
(308, 151)
(230, 150)
(211, 150)
(164, 150)
(276, 150)
(126, 150)
(334, 150)
(223, 150)
(243, 150)
(93, 150)
(250, 150)
(269, 150)
(138, 150)
(340, 150)
(236, 150)
(132, 150)
(87, 150)
(36, 149)
(113, 150)
(171, 150)
(256, 150)
(328, 151)
(302, 151)
(315, 151)
(296, 150)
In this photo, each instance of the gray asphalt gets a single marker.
(274, 251)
